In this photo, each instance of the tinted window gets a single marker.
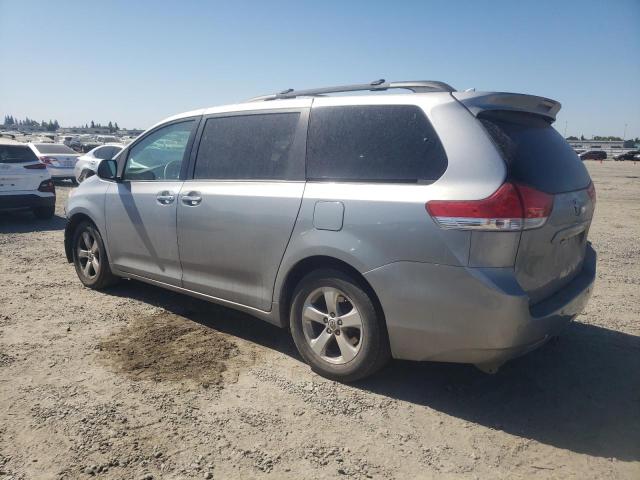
(52, 148)
(536, 154)
(249, 147)
(106, 152)
(159, 155)
(377, 143)
(16, 154)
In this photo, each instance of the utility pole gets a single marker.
(624, 135)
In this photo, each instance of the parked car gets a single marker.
(87, 164)
(58, 158)
(593, 155)
(360, 222)
(25, 182)
(626, 155)
(84, 144)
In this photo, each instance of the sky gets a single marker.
(137, 62)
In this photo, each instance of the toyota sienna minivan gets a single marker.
(421, 224)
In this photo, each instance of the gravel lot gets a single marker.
(137, 382)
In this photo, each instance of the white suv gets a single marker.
(25, 182)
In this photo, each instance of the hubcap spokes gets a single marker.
(88, 255)
(332, 325)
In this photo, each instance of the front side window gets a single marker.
(380, 143)
(249, 147)
(159, 155)
(105, 153)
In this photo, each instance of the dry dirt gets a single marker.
(137, 382)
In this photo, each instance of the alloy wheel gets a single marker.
(332, 325)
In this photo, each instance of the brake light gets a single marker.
(512, 207)
(36, 166)
(47, 160)
(47, 186)
(591, 191)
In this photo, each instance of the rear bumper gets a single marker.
(471, 315)
(28, 200)
(61, 172)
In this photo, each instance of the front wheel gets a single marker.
(90, 257)
(336, 327)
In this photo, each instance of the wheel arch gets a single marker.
(72, 223)
(307, 265)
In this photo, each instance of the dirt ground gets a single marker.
(137, 382)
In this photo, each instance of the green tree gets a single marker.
(93, 125)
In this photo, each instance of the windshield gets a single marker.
(53, 148)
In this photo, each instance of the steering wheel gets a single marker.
(172, 169)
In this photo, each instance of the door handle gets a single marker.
(165, 198)
(192, 199)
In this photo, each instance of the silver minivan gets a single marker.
(429, 224)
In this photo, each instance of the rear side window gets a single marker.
(52, 148)
(16, 154)
(249, 147)
(536, 154)
(383, 143)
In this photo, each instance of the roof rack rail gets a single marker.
(417, 86)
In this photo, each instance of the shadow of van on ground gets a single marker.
(580, 392)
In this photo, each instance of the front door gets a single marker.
(141, 209)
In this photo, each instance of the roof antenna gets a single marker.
(284, 92)
(378, 82)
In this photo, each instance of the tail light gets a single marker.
(47, 186)
(591, 190)
(36, 166)
(512, 207)
(47, 160)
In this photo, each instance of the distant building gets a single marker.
(82, 130)
(609, 146)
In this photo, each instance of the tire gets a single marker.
(44, 213)
(88, 249)
(334, 346)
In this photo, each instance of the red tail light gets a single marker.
(47, 160)
(36, 166)
(47, 186)
(591, 190)
(512, 207)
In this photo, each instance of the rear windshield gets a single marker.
(16, 154)
(53, 148)
(535, 152)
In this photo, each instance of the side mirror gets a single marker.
(108, 170)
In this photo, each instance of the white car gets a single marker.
(25, 182)
(87, 164)
(58, 158)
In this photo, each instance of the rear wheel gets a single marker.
(44, 212)
(336, 327)
(90, 257)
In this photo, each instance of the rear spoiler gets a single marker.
(477, 102)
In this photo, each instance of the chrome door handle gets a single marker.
(165, 198)
(192, 199)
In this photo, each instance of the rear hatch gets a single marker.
(548, 257)
(20, 169)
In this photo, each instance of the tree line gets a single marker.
(52, 125)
